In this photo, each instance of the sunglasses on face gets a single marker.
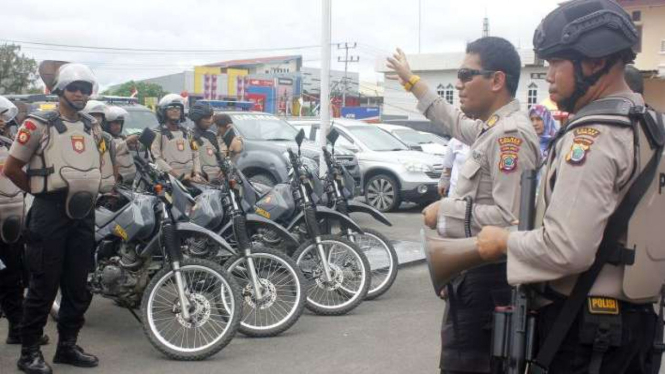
(465, 75)
(84, 88)
(173, 107)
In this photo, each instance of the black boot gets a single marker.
(32, 361)
(14, 336)
(70, 353)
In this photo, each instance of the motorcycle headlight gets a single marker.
(416, 166)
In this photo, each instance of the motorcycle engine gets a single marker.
(121, 278)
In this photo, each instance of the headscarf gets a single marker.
(549, 126)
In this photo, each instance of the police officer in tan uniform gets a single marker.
(503, 143)
(206, 140)
(12, 282)
(99, 111)
(124, 160)
(590, 168)
(174, 149)
(63, 173)
(224, 123)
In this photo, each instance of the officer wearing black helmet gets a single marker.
(174, 150)
(205, 140)
(593, 263)
(63, 173)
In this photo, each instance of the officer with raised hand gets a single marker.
(174, 150)
(225, 123)
(12, 284)
(503, 143)
(593, 257)
(124, 161)
(63, 173)
(205, 140)
(99, 111)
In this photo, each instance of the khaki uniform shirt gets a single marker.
(162, 163)
(587, 175)
(237, 146)
(501, 149)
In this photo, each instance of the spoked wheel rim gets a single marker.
(348, 275)
(211, 310)
(381, 263)
(281, 288)
(381, 193)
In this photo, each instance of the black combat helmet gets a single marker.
(586, 29)
(200, 110)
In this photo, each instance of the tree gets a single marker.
(145, 90)
(18, 73)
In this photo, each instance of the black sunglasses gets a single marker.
(84, 87)
(465, 75)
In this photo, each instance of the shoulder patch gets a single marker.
(587, 131)
(23, 136)
(510, 147)
(578, 151)
(30, 126)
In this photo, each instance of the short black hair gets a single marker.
(634, 79)
(222, 119)
(498, 54)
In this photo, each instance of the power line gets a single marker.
(150, 50)
(347, 59)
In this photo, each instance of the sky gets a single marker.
(182, 34)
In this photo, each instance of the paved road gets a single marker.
(395, 334)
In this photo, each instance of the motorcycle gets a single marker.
(337, 271)
(271, 282)
(376, 246)
(190, 308)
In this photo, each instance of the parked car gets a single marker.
(266, 138)
(436, 138)
(414, 139)
(391, 172)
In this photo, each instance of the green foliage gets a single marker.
(145, 90)
(18, 73)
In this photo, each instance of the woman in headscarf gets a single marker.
(544, 124)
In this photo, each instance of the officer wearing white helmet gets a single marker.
(99, 111)
(63, 173)
(174, 150)
(124, 161)
(12, 284)
(595, 262)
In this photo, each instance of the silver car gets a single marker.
(390, 171)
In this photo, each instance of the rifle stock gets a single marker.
(514, 327)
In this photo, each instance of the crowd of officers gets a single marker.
(55, 167)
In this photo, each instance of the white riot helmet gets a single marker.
(75, 75)
(170, 100)
(7, 109)
(96, 107)
(115, 114)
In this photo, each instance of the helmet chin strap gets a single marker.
(72, 105)
(583, 83)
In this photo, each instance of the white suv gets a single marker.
(390, 171)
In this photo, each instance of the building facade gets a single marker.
(649, 18)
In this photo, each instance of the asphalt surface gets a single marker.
(397, 333)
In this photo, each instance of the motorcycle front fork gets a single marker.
(258, 293)
(181, 286)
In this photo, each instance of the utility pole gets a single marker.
(486, 25)
(325, 80)
(420, 4)
(347, 59)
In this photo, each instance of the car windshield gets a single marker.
(263, 127)
(412, 137)
(436, 139)
(377, 139)
(139, 119)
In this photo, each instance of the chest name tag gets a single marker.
(603, 305)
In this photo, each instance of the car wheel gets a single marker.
(263, 178)
(382, 192)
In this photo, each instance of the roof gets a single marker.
(254, 61)
(447, 61)
(393, 127)
(345, 122)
